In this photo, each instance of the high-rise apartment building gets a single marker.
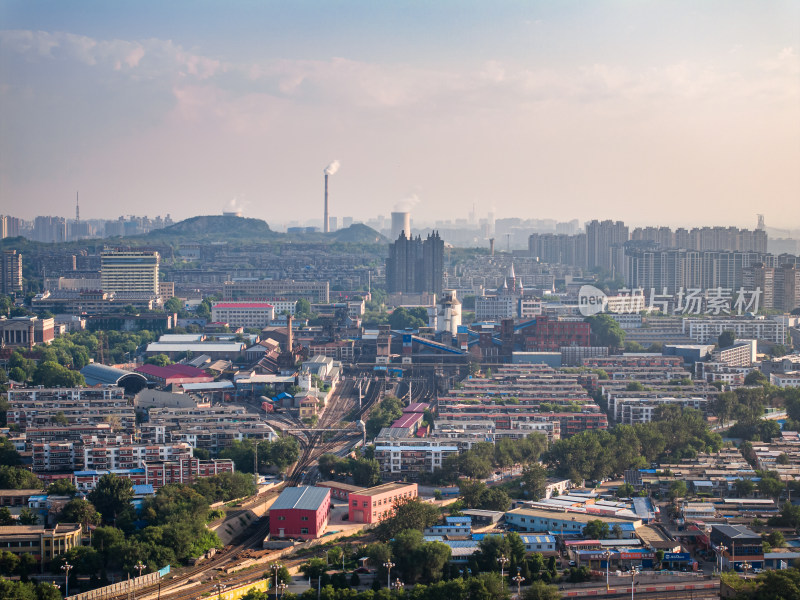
(728, 239)
(11, 272)
(131, 271)
(761, 277)
(415, 265)
(787, 287)
(675, 268)
(603, 239)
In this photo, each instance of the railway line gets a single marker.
(314, 444)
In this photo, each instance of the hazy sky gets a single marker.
(660, 112)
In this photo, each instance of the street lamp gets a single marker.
(518, 579)
(398, 585)
(66, 567)
(220, 586)
(503, 561)
(607, 554)
(388, 566)
(282, 587)
(746, 566)
(720, 551)
(275, 568)
(138, 566)
(634, 573)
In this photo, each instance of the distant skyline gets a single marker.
(655, 113)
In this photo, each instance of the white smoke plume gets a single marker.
(407, 204)
(332, 168)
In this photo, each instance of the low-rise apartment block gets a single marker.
(37, 407)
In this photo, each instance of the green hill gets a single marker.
(214, 227)
(358, 233)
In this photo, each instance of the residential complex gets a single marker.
(130, 271)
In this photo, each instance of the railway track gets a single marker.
(314, 444)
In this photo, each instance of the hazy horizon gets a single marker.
(654, 113)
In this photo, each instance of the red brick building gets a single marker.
(549, 335)
(377, 503)
(300, 512)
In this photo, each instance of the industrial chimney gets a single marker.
(329, 170)
(290, 335)
(325, 227)
(401, 221)
(491, 246)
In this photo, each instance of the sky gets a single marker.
(666, 112)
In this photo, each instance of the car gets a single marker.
(572, 563)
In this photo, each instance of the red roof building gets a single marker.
(174, 374)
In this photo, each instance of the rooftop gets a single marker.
(385, 488)
(242, 305)
(170, 371)
(301, 498)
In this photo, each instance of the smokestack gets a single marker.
(401, 221)
(491, 246)
(329, 170)
(325, 216)
(290, 337)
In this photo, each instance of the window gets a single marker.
(281, 518)
(304, 518)
(304, 530)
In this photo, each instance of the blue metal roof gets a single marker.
(301, 498)
(454, 520)
(537, 539)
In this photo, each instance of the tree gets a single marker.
(744, 487)
(778, 350)
(159, 360)
(616, 531)
(770, 484)
(313, 568)
(51, 374)
(28, 517)
(174, 305)
(539, 590)
(626, 490)
(80, 511)
(9, 563)
(105, 539)
(677, 489)
(434, 557)
(405, 549)
(726, 338)
(111, 496)
(62, 487)
(534, 481)
(365, 472)
(410, 513)
(408, 318)
(776, 539)
(8, 453)
(755, 378)
(5, 516)
(17, 478)
(596, 530)
(606, 331)
(302, 308)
